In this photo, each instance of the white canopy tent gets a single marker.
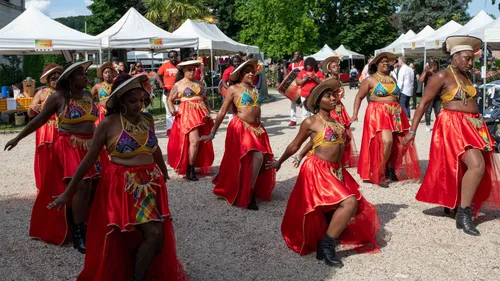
(480, 20)
(135, 32)
(348, 54)
(32, 32)
(212, 40)
(409, 47)
(433, 43)
(492, 30)
(397, 44)
(322, 54)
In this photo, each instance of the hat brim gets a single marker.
(326, 63)
(135, 82)
(312, 99)
(103, 67)
(474, 42)
(389, 55)
(73, 67)
(188, 63)
(235, 75)
(43, 78)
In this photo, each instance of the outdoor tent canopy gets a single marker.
(348, 54)
(211, 38)
(437, 38)
(135, 32)
(322, 54)
(489, 33)
(32, 32)
(341, 51)
(409, 47)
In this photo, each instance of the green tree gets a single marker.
(106, 12)
(10, 72)
(77, 23)
(416, 14)
(278, 27)
(224, 12)
(33, 65)
(170, 14)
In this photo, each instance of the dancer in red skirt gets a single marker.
(242, 176)
(130, 227)
(101, 91)
(463, 170)
(331, 66)
(76, 115)
(325, 208)
(383, 157)
(47, 134)
(192, 119)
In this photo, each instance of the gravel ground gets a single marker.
(216, 241)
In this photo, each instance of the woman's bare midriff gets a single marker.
(332, 153)
(249, 114)
(456, 105)
(85, 128)
(383, 99)
(136, 160)
(191, 99)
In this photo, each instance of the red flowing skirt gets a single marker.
(126, 197)
(102, 114)
(192, 115)
(44, 138)
(454, 133)
(234, 180)
(319, 189)
(386, 116)
(350, 157)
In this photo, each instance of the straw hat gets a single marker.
(388, 55)
(72, 68)
(326, 63)
(43, 78)
(103, 67)
(235, 75)
(188, 63)
(312, 99)
(135, 82)
(455, 44)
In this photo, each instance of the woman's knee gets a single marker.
(475, 162)
(387, 140)
(350, 204)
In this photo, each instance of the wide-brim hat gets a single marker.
(455, 44)
(103, 67)
(135, 82)
(188, 63)
(326, 63)
(388, 55)
(43, 78)
(235, 75)
(312, 99)
(73, 67)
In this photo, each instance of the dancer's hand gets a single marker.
(60, 201)
(408, 139)
(296, 162)
(273, 165)
(206, 138)
(36, 108)
(354, 119)
(10, 144)
(175, 113)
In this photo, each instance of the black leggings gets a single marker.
(436, 104)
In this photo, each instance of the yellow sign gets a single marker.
(43, 45)
(437, 45)
(156, 43)
(413, 45)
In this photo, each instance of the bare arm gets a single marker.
(158, 156)
(305, 150)
(35, 106)
(421, 79)
(434, 86)
(228, 102)
(172, 97)
(362, 92)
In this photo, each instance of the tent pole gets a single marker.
(100, 57)
(212, 72)
(152, 61)
(485, 54)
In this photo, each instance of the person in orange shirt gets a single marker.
(168, 72)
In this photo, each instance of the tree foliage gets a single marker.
(170, 14)
(278, 27)
(224, 11)
(416, 14)
(77, 23)
(106, 12)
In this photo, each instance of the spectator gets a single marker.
(199, 72)
(168, 71)
(415, 87)
(430, 69)
(404, 76)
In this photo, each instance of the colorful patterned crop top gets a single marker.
(461, 93)
(134, 139)
(249, 97)
(78, 111)
(105, 91)
(192, 90)
(386, 87)
(333, 133)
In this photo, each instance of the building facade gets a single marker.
(9, 10)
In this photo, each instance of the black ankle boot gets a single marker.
(326, 251)
(253, 204)
(79, 237)
(448, 210)
(390, 174)
(191, 174)
(464, 221)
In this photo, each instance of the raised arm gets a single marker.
(360, 96)
(228, 101)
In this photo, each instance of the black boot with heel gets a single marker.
(464, 221)
(326, 251)
(191, 173)
(79, 237)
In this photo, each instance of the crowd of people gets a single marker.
(106, 184)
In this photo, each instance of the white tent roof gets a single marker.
(401, 38)
(20, 35)
(133, 31)
(419, 38)
(437, 38)
(480, 20)
(489, 33)
(347, 54)
(322, 54)
(212, 38)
